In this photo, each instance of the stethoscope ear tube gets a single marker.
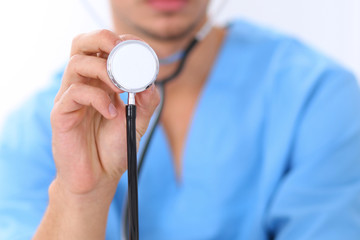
(132, 172)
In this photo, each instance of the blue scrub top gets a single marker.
(272, 152)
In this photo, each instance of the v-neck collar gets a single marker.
(196, 128)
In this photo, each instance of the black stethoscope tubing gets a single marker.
(131, 109)
(132, 172)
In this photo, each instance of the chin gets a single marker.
(171, 26)
(160, 19)
(170, 29)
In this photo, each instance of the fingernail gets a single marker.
(112, 110)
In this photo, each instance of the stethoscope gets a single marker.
(132, 67)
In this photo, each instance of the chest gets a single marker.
(176, 119)
(228, 172)
(213, 199)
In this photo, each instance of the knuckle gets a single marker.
(102, 96)
(74, 62)
(75, 59)
(74, 87)
(57, 97)
(53, 115)
(104, 33)
(75, 43)
(76, 39)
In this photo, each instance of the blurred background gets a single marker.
(36, 35)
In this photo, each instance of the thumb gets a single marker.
(146, 103)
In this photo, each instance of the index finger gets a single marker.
(101, 41)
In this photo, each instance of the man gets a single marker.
(259, 138)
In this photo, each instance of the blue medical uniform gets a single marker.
(272, 152)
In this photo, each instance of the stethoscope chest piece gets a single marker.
(132, 66)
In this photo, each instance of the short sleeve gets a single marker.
(319, 196)
(26, 166)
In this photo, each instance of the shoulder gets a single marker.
(298, 88)
(281, 62)
(276, 46)
(31, 119)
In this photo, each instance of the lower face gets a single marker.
(160, 19)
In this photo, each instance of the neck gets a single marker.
(163, 47)
(199, 61)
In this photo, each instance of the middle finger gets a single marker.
(82, 67)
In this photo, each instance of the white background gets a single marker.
(36, 35)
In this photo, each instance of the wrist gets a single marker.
(60, 195)
(74, 216)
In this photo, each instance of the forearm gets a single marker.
(70, 216)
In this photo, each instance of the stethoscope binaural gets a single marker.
(133, 66)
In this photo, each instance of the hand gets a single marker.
(89, 141)
(88, 119)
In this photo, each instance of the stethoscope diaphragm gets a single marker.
(132, 66)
